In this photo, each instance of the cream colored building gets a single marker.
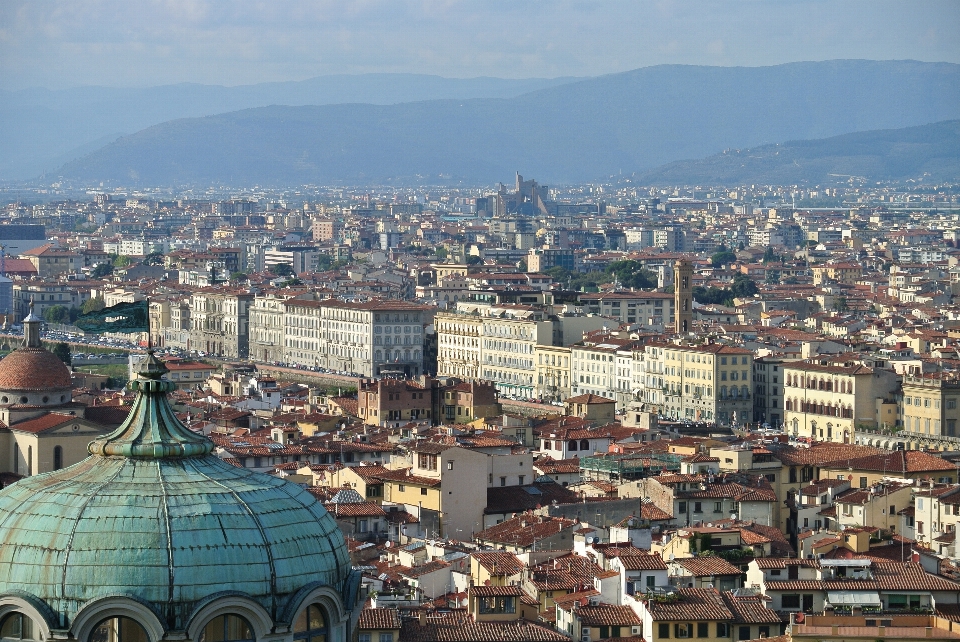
(710, 383)
(929, 405)
(508, 344)
(828, 402)
(553, 372)
(266, 327)
(458, 344)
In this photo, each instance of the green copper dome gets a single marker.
(154, 516)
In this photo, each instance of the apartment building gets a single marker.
(603, 366)
(827, 402)
(553, 372)
(370, 338)
(768, 390)
(219, 322)
(929, 404)
(458, 344)
(710, 382)
(500, 343)
(267, 327)
(652, 310)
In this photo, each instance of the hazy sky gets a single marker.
(59, 43)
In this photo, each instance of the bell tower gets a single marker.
(683, 296)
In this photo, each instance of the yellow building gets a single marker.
(710, 383)
(930, 405)
(378, 625)
(706, 614)
(495, 568)
(828, 402)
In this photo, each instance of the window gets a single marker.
(697, 507)
(386, 637)
(18, 626)
(503, 481)
(663, 631)
(651, 581)
(743, 633)
(790, 601)
(764, 631)
(863, 482)
(703, 629)
(363, 637)
(401, 488)
(311, 625)
(124, 629)
(682, 507)
(450, 464)
(717, 507)
(57, 457)
(521, 479)
(723, 630)
(683, 630)
(423, 491)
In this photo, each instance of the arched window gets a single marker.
(584, 444)
(227, 628)
(17, 626)
(57, 457)
(572, 445)
(311, 625)
(119, 629)
(789, 405)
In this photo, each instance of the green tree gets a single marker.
(122, 261)
(102, 270)
(743, 286)
(722, 258)
(473, 260)
(441, 252)
(632, 274)
(840, 304)
(93, 305)
(56, 314)
(768, 255)
(154, 258)
(282, 269)
(238, 276)
(62, 351)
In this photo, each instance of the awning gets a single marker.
(853, 598)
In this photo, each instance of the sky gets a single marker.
(66, 43)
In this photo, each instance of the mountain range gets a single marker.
(571, 132)
(930, 152)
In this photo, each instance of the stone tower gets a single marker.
(683, 296)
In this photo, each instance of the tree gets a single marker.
(62, 351)
(840, 304)
(56, 314)
(473, 260)
(722, 258)
(238, 276)
(102, 270)
(154, 258)
(282, 269)
(743, 286)
(441, 252)
(93, 305)
(122, 261)
(768, 255)
(632, 274)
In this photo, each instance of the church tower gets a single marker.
(683, 296)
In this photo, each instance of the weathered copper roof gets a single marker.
(153, 515)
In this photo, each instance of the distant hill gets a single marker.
(569, 133)
(40, 129)
(931, 152)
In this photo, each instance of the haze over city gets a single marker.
(385, 321)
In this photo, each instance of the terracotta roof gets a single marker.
(692, 604)
(708, 566)
(458, 627)
(499, 562)
(887, 576)
(750, 610)
(33, 369)
(607, 615)
(356, 509)
(524, 530)
(107, 415)
(901, 461)
(590, 399)
(651, 562)
(496, 591)
(379, 619)
(43, 423)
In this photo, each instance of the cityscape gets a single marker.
(308, 367)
